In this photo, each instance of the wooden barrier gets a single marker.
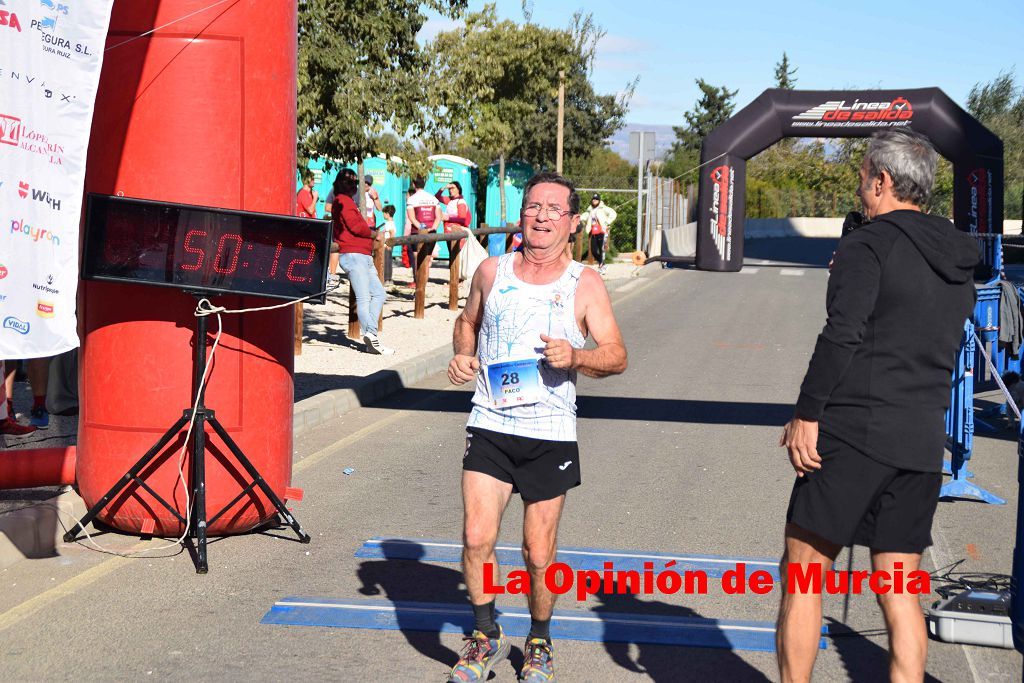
(426, 242)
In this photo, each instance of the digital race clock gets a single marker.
(204, 250)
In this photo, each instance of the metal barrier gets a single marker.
(960, 426)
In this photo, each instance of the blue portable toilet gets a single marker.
(448, 167)
(517, 173)
(393, 189)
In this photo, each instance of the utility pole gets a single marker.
(561, 120)
(640, 189)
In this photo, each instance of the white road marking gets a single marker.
(750, 271)
(792, 271)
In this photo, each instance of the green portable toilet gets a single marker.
(517, 173)
(448, 167)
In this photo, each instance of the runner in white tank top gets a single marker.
(521, 337)
(516, 314)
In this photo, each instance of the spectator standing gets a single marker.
(355, 244)
(597, 221)
(306, 198)
(457, 215)
(387, 231)
(424, 213)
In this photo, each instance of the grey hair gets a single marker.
(909, 158)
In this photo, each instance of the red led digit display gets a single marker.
(202, 249)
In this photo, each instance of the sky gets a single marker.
(834, 45)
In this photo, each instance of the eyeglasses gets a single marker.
(553, 213)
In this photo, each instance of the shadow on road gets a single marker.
(809, 251)
(403, 580)
(863, 659)
(617, 408)
(664, 663)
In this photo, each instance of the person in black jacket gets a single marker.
(867, 436)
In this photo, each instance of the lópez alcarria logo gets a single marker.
(37, 234)
(19, 326)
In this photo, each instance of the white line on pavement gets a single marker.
(791, 271)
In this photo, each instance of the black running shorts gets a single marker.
(537, 469)
(854, 499)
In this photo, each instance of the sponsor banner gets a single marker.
(856, 113)
(51, 52)
(719, 226)
(979, 182)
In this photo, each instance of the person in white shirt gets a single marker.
(386, 231)
(597, 221)
(424, 213)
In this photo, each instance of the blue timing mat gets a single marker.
(428, 550)
(609, 627)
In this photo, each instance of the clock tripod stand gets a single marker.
(196, 523)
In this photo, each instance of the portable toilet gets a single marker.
(393, 189)
(517, 173)
(447, 168)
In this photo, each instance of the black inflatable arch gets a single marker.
(976, 153)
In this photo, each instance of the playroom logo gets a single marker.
(560, 579)
(980, 182)
(20, 227)
(720, 227)
(836, 113)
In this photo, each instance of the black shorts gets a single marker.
(855, 499)
(537, 469)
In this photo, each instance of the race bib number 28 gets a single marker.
(514, 383)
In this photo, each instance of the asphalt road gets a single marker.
(679, 454)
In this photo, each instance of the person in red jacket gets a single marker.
(457, 215)
(355, 246)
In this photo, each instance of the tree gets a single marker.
(714, 108)
(784, 74)
(361, 73)
(496, 83)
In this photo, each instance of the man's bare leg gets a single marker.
(540, 541)
(908, 637)
(484, 500)
(798, 629)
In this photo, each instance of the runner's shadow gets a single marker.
(863, 659)
(666, 663)
(401, 579)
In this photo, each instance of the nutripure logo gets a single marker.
(19, 326)
(35, 233)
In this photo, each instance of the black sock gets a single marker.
(484, 617)
(540, 629)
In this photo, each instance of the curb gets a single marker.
(35, 531)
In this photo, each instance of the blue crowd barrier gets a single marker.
(960, 425)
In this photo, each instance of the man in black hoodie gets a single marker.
(868, 433)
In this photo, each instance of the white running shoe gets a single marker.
(602, 269)
(373, 345)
